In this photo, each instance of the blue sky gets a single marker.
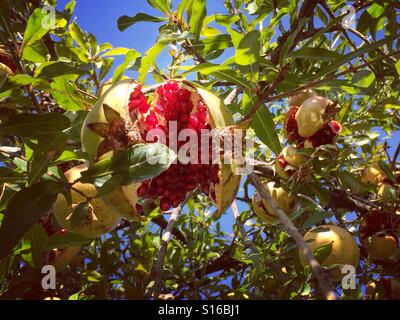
(100, 18)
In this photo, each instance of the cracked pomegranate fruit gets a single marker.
(264, 211)
(298, 99)
(311, 123)
(289, 161)
(343, 251)
(124, 117)
(100, 218)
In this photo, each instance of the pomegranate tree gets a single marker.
(124, 116)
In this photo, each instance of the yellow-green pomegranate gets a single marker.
(263, 209)
(344, 250)
(100, 217)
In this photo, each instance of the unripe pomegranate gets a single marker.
(100, 218)
(381, 246)
(298, 99)
(373, 175)
(344, 250)
(176, 102)
(263, 209)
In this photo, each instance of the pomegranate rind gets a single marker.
(293, 157)
(298, 99)
(310, 116)
(220, 117)
(117, 97)
(106, 219)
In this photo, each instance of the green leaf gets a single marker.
(36, 52)
(319, 54)
(248, 52)
(130, 58)
(323, 252)
(161, 5)
(197, 13)
(386, 170)
(116, 52)
(290, 40)
(63, 91)
(264, 127)
(350, 56)
(363, 78)
(23, 210)
(24, 80)
(78, 35)
(29, 125)
(125, 22)
(53, 69)
(352, 182)
(66, 240)
(79, 214)
(222, 72)
(149, 59)
(183, 6)
(39, 241)
(141, 162)
(34, 29)
(398, 67)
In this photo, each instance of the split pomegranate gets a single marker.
(312, 134)
(177, 108)
(288, 162)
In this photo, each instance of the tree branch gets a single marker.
(316, 268)
(158, 281)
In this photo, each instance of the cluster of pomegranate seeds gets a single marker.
(291, 125)
(174, 103)
(327, 134)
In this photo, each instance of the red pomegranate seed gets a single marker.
(143, 107)
(142, 190)
(335, 126)
(151, 119)
(164, 204)
(184, 94)
(193, 121)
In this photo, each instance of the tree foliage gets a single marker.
(254, 55)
